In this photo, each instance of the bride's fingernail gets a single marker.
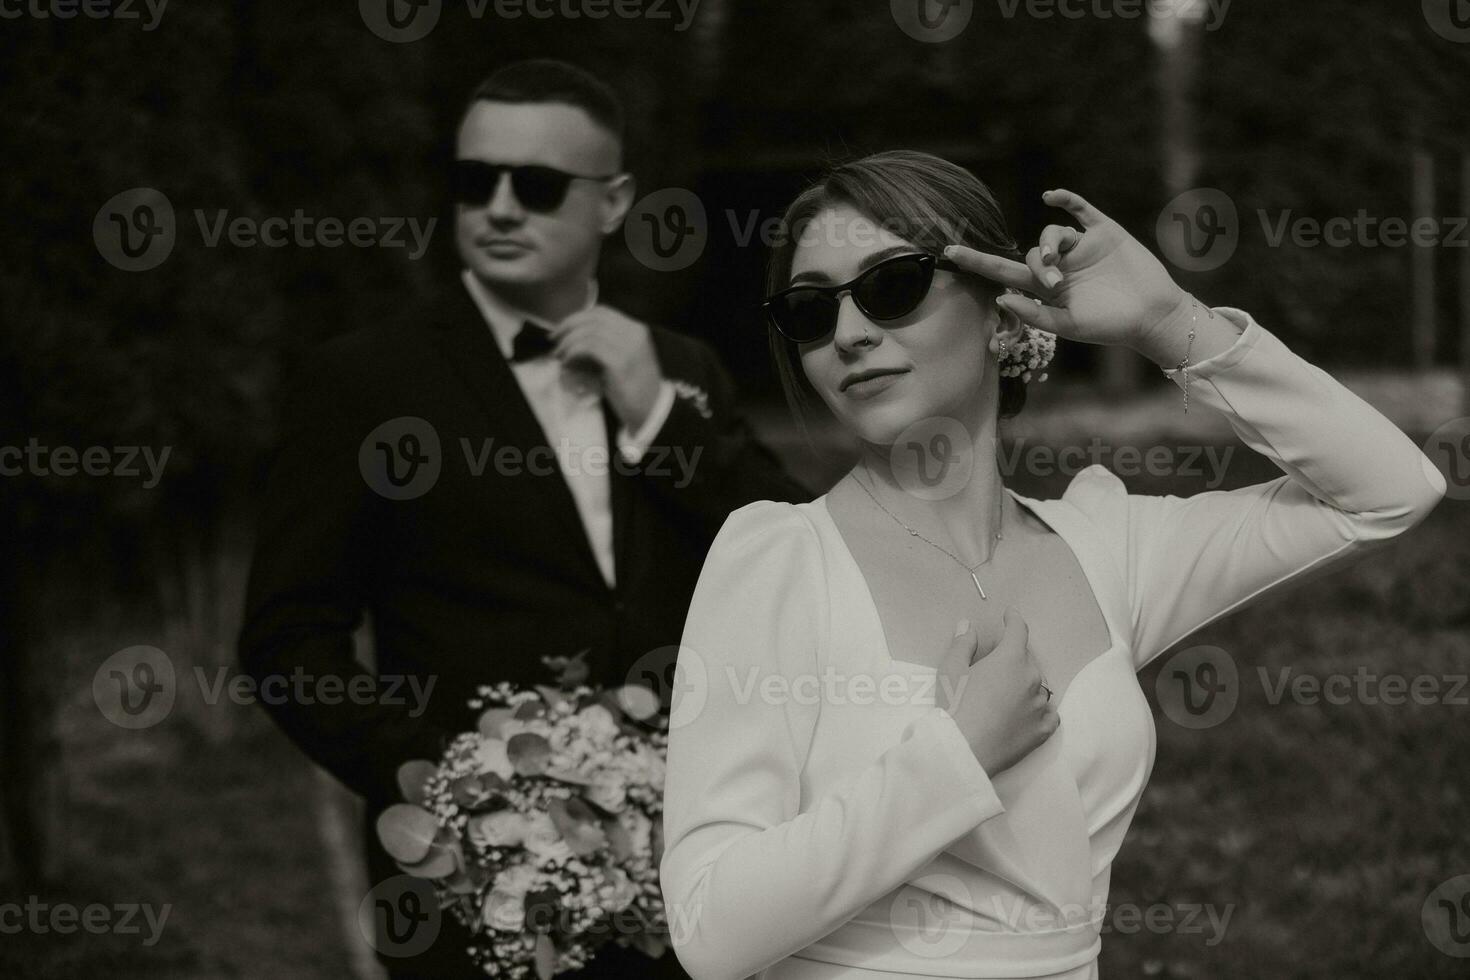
(1053, 278)
(1045, 252)
(962, 627)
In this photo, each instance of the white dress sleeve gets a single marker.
(748, 876)
(1353, 480)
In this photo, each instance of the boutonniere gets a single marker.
(697, 395)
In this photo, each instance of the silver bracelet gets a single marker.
(1184, 363)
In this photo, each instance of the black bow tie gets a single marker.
(533, 341)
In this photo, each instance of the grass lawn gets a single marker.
(1320, 830)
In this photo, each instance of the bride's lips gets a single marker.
(866, 384)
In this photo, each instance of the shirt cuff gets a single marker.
(969, 778)
(1250, 332)
(633, 446)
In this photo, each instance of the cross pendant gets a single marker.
(977, 586)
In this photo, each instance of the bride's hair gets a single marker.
(919, 197)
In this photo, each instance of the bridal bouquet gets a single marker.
(541, 830)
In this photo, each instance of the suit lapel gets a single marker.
(469, 347)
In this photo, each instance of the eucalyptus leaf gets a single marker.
(638, 701)
(545, 957)
(412, 776)
(407, 831)
(492, 719)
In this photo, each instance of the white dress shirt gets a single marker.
(568, 405)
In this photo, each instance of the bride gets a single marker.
(908, 736)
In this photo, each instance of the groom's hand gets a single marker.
(619, 351)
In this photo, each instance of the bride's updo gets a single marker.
(917, 196)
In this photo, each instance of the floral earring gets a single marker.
(1033, 351)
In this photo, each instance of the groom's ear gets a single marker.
(617, 200)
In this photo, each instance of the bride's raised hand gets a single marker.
(1097, 285)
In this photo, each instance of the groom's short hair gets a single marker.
(550, 80)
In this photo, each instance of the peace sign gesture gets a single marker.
(1098, 285)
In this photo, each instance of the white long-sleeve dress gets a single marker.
(819, 824)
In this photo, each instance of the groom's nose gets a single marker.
(503, 208)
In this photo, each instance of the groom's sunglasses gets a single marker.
(890, 289)
(538, 188)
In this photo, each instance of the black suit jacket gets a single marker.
(470, 579)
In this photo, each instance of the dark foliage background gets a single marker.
(264, 108)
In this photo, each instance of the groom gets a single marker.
(514, 471)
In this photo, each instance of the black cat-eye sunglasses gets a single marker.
(888, 290)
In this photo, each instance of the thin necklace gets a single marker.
(969, 568)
